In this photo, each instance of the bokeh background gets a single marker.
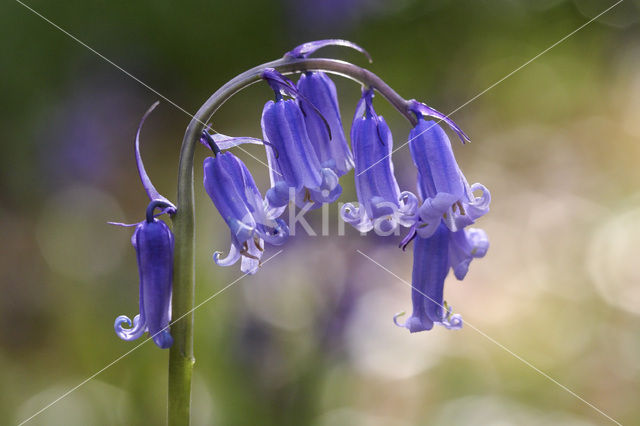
(309, 339)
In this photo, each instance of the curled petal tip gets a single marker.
(306, 49)
(350, 213)
(482, 202)
(454, 322)
(131, 332)
(450, 320)
(122, 319)
(232, 257)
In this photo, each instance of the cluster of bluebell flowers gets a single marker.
(441, 239)
(308, 154)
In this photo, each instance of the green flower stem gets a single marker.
(181, 357)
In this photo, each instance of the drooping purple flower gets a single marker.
(381, 204)
(316, 87)
(293, 161)
(153, 242)
(443, 188)
(333, 152)
(430, 268)
(251, 222)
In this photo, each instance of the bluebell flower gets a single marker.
(153, 242)
(432, 258)
(293, 162)
(442, 186)
(333, 152)
(381, 204)
(316, 87)
(430, 268)
(251, 221)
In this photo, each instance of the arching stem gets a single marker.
(181, 357)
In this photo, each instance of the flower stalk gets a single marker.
(181, 358)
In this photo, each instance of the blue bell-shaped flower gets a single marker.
(292, 158)
(443, 188)
(251, 222)
(381, 204)
(430, 268)
(331, 147)
(153, 242)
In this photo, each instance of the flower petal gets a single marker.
(464, 246)
(478, 206)
(283, 126)
(278, 195)
(251, 258)
(356, 217)
(230, 259)
(133, 333)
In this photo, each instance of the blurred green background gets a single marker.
(309, 339)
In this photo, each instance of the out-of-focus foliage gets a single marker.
(309, 339)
